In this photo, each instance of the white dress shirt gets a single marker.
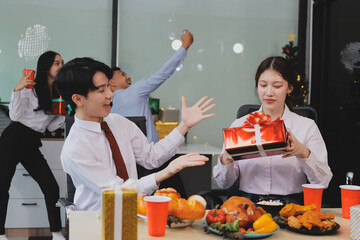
(275, 174)
(21, 109)
(87, 158)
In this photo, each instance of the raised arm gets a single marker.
(148, 85)
(19, 98)
(190, 116)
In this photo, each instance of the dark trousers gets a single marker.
(20, 144)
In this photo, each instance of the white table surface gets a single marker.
(199, 148)
(86, 225)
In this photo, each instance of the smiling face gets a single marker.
(96, 105)
(120, 80)
(272, 90)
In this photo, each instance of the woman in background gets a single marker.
(30, 112)
(306, 155)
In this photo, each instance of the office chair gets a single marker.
(215, 197)
(67, 202)
(305, 111)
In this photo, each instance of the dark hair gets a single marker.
(283, 67)
(115, 69)
(76, 77)
(45, 61)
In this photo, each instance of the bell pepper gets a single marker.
(215, 215)
(265, 224)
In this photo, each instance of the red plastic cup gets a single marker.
(157, 213)
(31, 77)
(313, 195)
(350, 196)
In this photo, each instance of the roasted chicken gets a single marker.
(243, 209)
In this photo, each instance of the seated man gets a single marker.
(103, 148)
(131, 99)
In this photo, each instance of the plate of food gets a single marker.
(240, 216)
(305, 220)
(181, 212)
(315, 230)
(174, 222)
(224, 231)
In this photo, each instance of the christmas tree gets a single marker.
(300, 92)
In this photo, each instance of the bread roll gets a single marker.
(191, 209)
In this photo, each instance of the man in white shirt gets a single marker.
(86, 155)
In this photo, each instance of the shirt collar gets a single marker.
(88, 125)
(285, 114)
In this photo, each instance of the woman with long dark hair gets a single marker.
(305, 158)
(30, 114)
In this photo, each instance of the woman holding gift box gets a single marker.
(305, 158)
(30, 112)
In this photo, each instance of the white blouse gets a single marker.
(21, 109)
(275, 174)
(87, 158)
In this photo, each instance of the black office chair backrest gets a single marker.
(140, 121)
(305, 111)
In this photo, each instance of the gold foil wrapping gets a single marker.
(129, 214)
(164, 128)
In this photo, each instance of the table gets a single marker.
(205, 149)
(86, 225)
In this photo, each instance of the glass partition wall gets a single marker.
(231, 38)
(28, 28)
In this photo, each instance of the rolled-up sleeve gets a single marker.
(316, 165)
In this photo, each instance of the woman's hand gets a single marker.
(184, 161)
(295, 148)
(190, 116)
(24, 81)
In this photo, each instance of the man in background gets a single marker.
(131, 99)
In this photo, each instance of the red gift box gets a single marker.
(258, 137)
(59, 107)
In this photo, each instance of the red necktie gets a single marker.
(118, 159)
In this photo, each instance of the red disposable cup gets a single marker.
(313, 195)
(31, 77)
(157, 213)
(350, 196)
